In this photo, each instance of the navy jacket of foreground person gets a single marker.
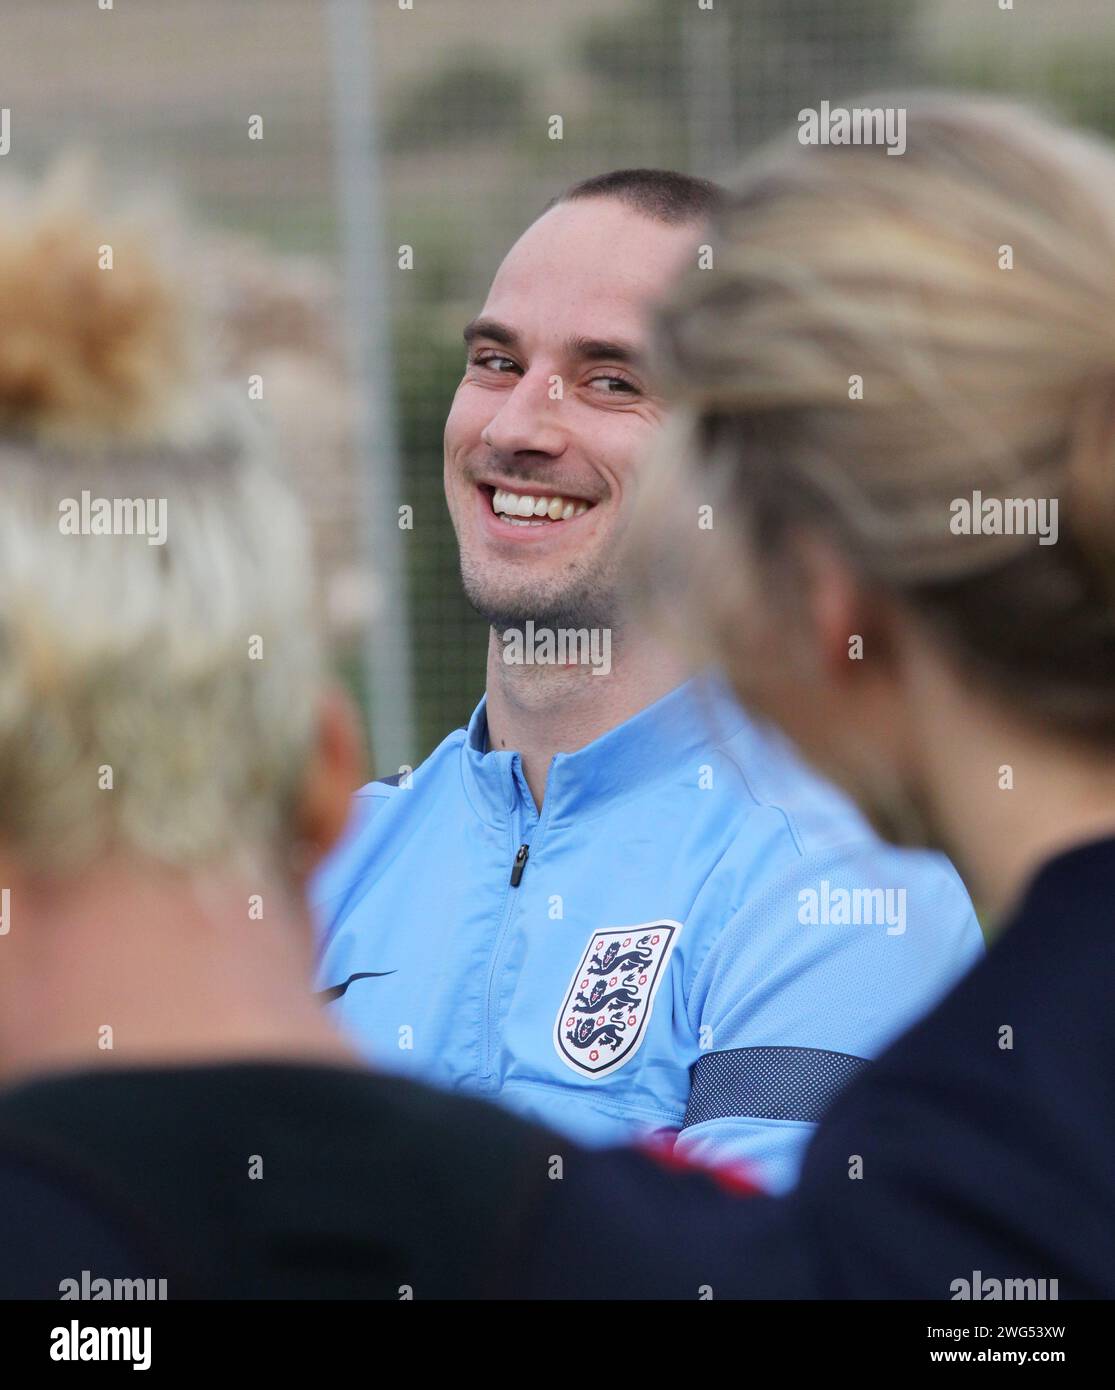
(976, 1156)
(696, 935)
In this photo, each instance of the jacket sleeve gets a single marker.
(821, 969)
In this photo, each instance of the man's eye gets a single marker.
(614, 385)
(492, 359)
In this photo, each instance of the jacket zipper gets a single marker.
(519, 865)
(497, 955)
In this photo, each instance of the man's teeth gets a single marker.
(518, 507)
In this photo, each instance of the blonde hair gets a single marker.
(124, 661)
(969, 285)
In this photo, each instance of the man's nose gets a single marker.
(528, 420)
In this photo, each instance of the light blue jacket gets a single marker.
(696, 935)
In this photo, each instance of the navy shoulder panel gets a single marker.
(768, 1083)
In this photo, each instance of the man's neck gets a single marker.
(540, 710)
(127, 968)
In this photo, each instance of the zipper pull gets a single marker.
(519, 865)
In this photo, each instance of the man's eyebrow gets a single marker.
(491, 328)
(579, 349)
(603, 349)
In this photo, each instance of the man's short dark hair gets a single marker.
(661, 194)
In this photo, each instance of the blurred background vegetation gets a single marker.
(163, 92)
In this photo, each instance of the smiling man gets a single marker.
(601, 902)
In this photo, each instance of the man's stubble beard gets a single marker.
(584, 600)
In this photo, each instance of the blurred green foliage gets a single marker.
(450, 644)
(471, 97)
(1072, 78)
(773, 62)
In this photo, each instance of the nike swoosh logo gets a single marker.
(335, 991)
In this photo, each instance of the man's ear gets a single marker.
(335, 770)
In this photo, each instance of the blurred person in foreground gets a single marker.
(173, 1101)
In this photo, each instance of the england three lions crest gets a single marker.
(605, 1013)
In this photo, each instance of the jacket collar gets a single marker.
(664, 741)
